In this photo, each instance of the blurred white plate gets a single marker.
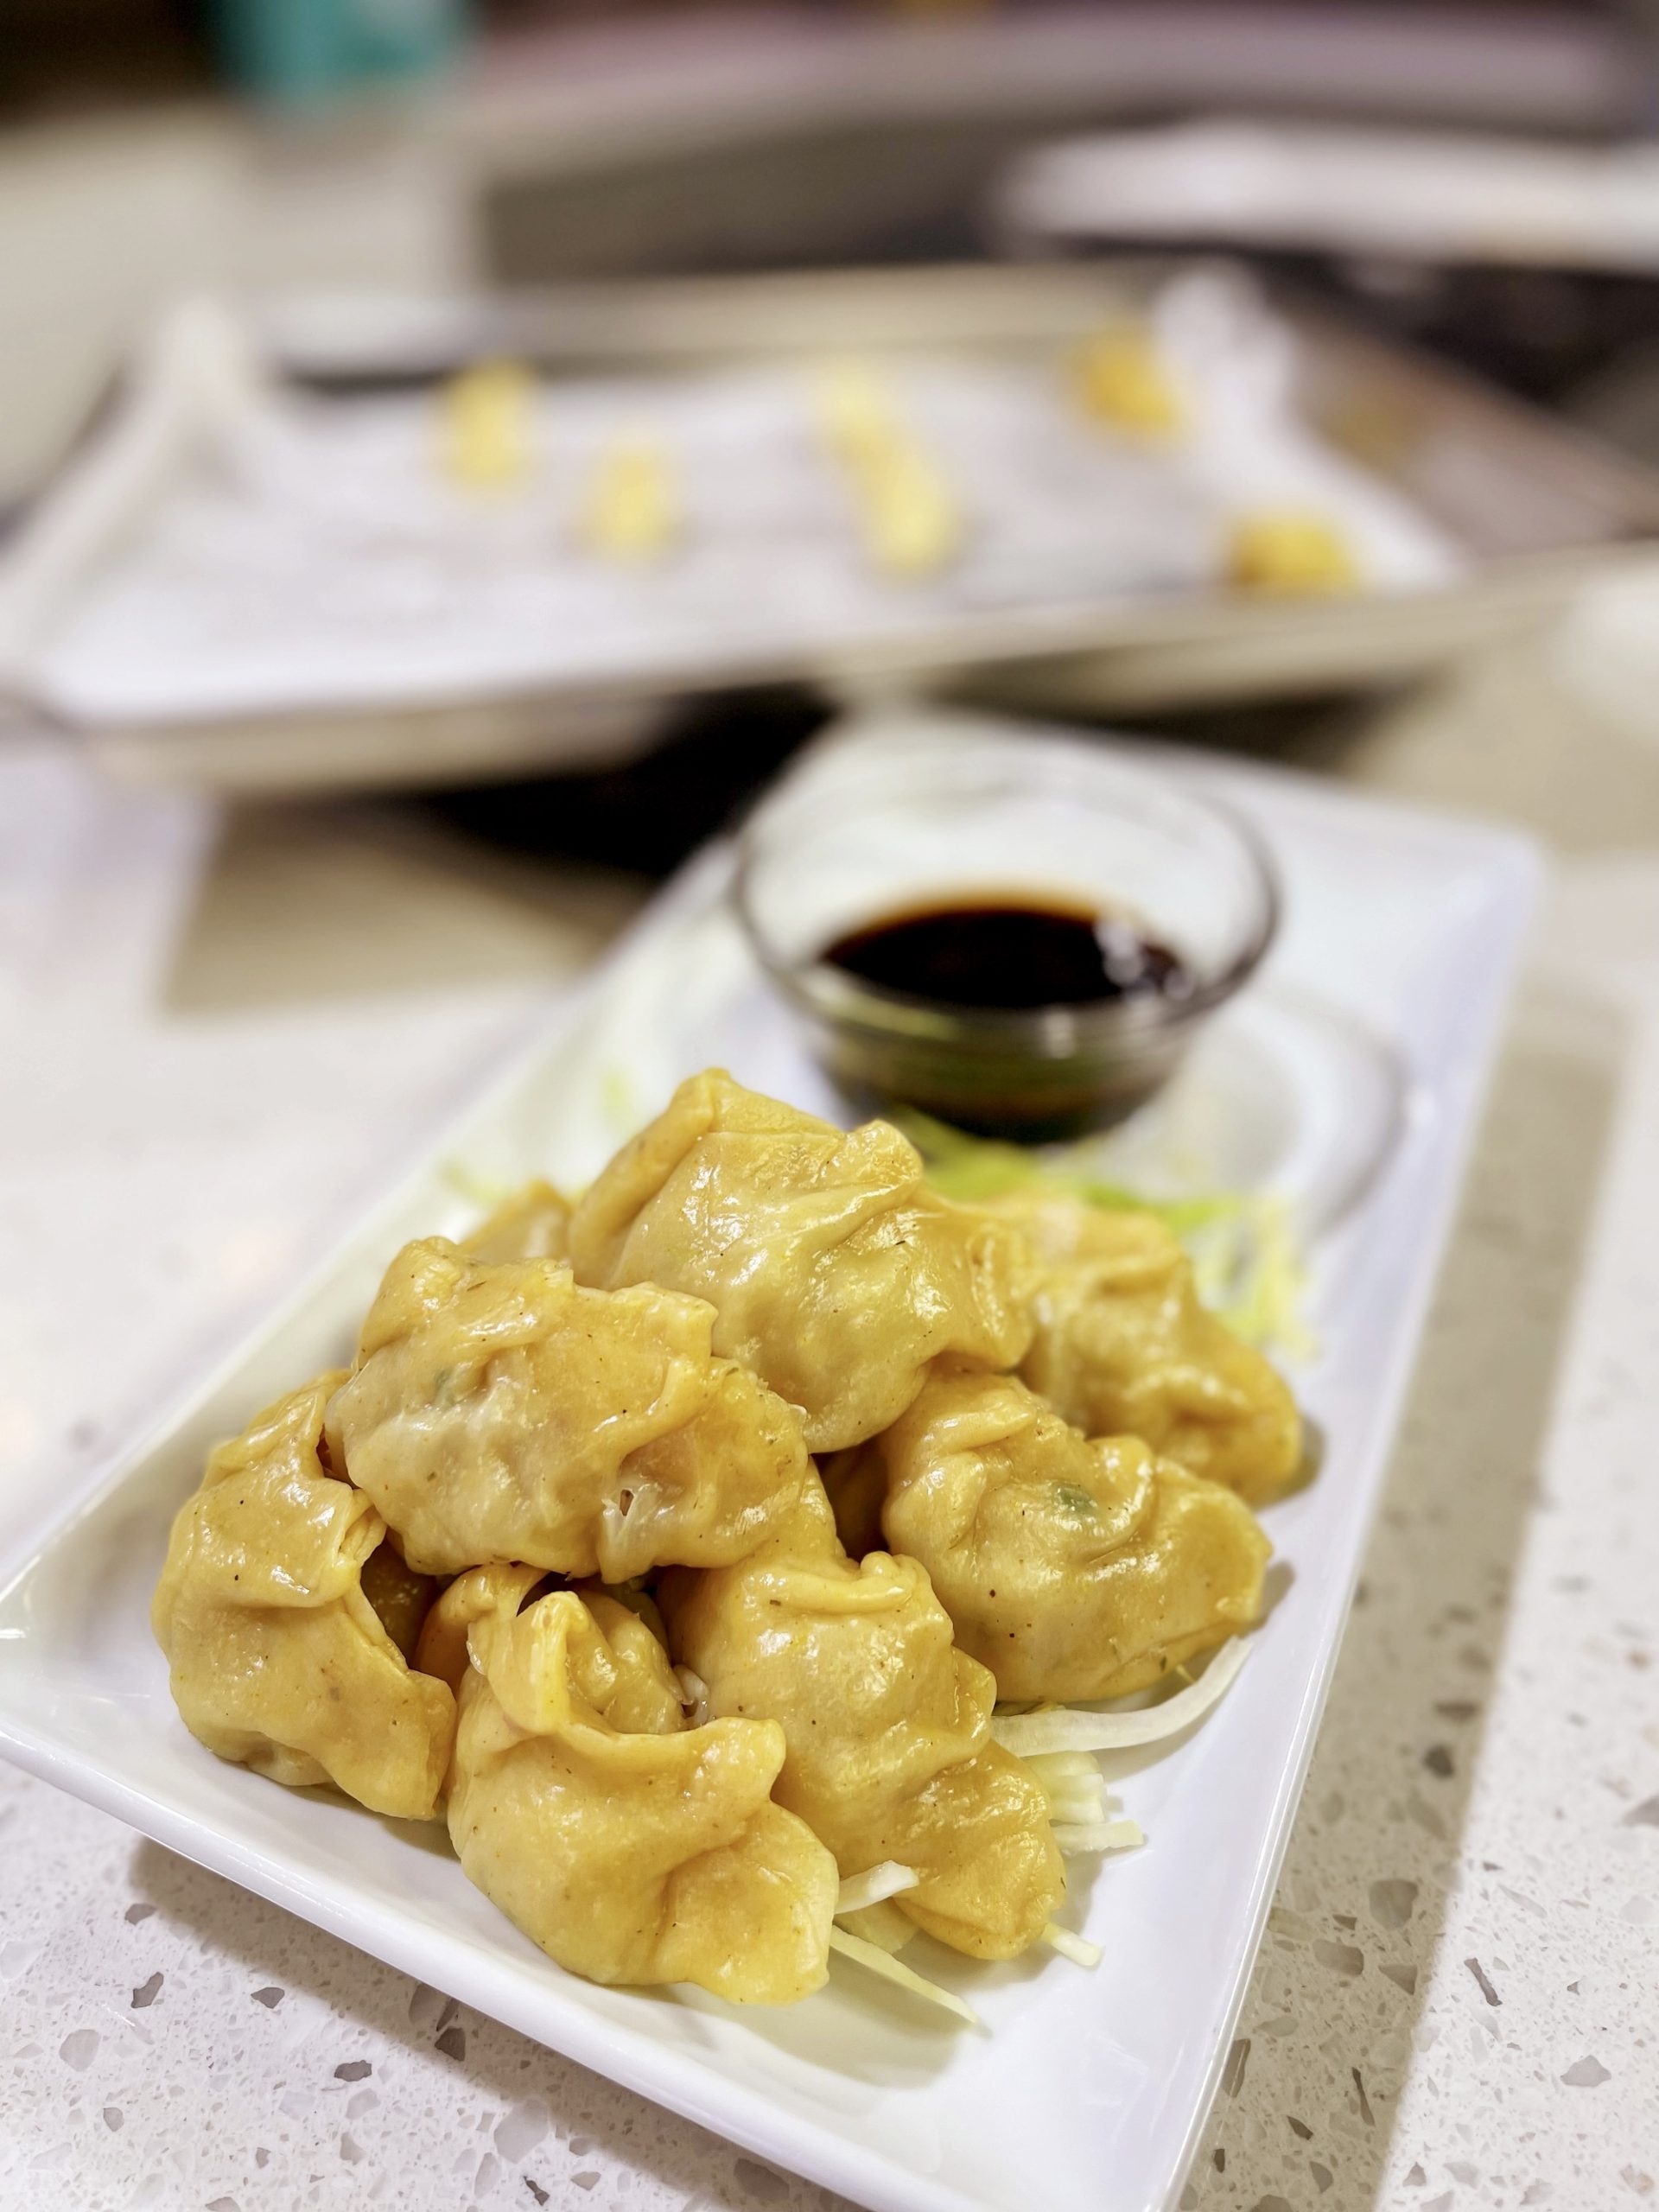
(1088, 2092)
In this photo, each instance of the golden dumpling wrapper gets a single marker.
(278, 1656)
(1071, 1566)
(631, 1847)
(498, 1413)
(1124, 1346)
(980, 1834)
(889, 1729)
(836, 1275)
(400, 1598)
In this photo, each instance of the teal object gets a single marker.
(304, 52)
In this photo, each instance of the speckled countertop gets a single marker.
(218, 1031)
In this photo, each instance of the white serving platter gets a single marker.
(1348, 1079)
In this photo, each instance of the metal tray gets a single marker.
(1532, 510)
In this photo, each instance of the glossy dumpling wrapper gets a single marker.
(498, 1413)
(1071, 1566)
(838, 1276)
(630, 1846)
(1123, 1346)
(278, 1658)
(401, 1597)
(889, 1729)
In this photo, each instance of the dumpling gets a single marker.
(278, 1657)
(533, 1223)
(1123, 1346)
(855, 1483)
(631, 1847)
(400, 1598)
(498, 1413)
(1071, 1566)
(836, 1274)
(889, 1729)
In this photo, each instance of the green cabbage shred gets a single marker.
(1246, 1257)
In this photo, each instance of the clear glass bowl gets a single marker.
(888, 824)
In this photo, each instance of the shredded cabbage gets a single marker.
(1076, 1812)
(1077, 1839)
(619, 1101)
(1072, 1801)
(484, 1192)
(1082, 1728)
(1245, 1257)
(883, 1924)
(891, 1970)
(875, 1886)
(1079, 1948)
(1057, 1771)
(1075, 1789)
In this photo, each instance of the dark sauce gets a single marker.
(1011, 955)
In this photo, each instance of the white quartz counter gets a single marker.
(218, 1035)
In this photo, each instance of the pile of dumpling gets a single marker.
(676, 1547)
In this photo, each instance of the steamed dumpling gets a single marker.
(1071, 1566)
(278, 1658)
(887, 1725)
(631, 1847)
(498, 1413)
(400, 1598)
(836, 1275)
(1123, 1346)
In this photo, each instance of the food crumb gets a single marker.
(1484, 1981)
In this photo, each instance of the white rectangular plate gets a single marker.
(1349, 1079)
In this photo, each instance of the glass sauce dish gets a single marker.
(916, 898)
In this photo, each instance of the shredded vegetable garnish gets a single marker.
(1263, 1294)
(1081, 1838)
(890, 1969)
(883, 1924)
(480, 1191)
(1072, 1784)
(619, 1100)
(1061, 1770)
(1076, 1806)
(1083, 1728)
(1079, 1948)
(875, 1886)
(1242, 1244)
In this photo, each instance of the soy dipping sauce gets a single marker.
(1012, 954)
